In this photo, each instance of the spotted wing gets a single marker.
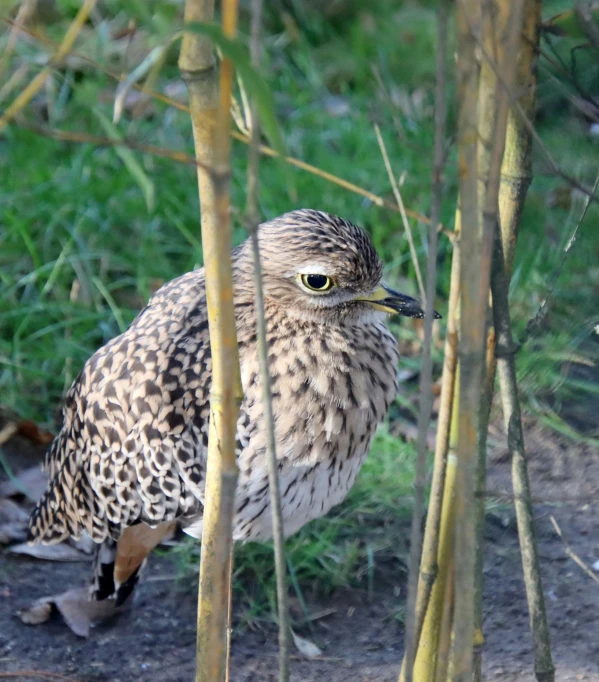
(133, 443)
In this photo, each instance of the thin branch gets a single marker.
(29, 92)
(402, 210)
(414, 618)
(572, 554)
(44, 674)
(264, 150)
(100, 141)
(269, 421)
(535, 322)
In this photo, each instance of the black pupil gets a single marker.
(317, 281)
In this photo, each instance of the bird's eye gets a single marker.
(319, 283)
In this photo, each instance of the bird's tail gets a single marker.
(118, 564)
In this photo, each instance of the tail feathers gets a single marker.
(118, 564)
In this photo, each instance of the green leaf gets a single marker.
(128, 158)
(255, 84)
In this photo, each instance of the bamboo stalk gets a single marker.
(473, 301)
(417, 608)
(501, 21)
(253, 219)
(429, 566)
(516, 176)
(516, 171)
(425, 664)
(212, 143)
(444, 648)
(506, 369)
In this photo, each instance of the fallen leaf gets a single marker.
(30, 430)
(305, 646)
(61, 552)
(37, 613)
(75, 606)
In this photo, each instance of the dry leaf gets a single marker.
(305, 646)
(37, 613)
(75, 606)
(30, 430)
(62, 552)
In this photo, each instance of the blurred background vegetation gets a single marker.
(88, 232)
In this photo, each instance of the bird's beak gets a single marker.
(389, 301)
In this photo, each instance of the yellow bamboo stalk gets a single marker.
(29, 92)
(212, 142)
(444, 648)
(425, 664)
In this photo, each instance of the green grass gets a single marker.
(79, 213)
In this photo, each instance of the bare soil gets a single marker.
(361, 640)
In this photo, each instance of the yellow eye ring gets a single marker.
(317, 283)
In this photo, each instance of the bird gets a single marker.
(130, 458)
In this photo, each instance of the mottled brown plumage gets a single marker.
(133, 445)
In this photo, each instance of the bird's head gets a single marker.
(319, 266)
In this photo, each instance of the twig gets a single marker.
(38, 673)
(402, 210)
(506, 369)
(85, 138)
(560, 499)
(27, 94)
(534, 323)
(269, 422)
(572, 554)
(414, 618)
(265, 150)
(585, 17)
(26, 11)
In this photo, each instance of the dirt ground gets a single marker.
(361, 641)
